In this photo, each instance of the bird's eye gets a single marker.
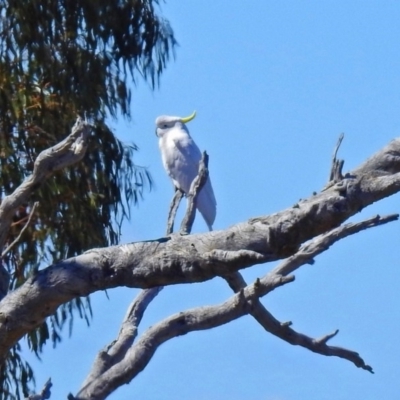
(165, 126)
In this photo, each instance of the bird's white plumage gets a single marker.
(181, 157)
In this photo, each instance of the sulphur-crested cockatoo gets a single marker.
(181, 157)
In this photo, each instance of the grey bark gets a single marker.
(109, 373)
(44, 394)
(196, 258)
(68, 152)
(93, 385)
(195, 187)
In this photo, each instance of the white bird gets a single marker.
(181, 157)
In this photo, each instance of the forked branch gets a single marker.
(306, 255)
(44, 394)
(195, 187)
(134, 358)
(117, 350)
(288, 234)
(69, 151)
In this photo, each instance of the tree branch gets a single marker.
(200, 318)
(335, 174)
(247, 301)
(173, 208)
(22, 230)
(321, 243)
(304, 256)
(69, 151)
(44, 394)
(196, 258)
(195, 187)
(117, 350)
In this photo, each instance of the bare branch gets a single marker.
(196, 258)
(199, 318)
(117, 350)
(69, 151)
(173, 209)
(195, 187)
(324, 339)
(133, 317)
(22, 230)
(306, 255)
(246, 301)
(335, 174)
(321, 243)
(44, 394)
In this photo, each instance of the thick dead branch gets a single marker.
(196, 258)
(246, 301)
(117, 350)
(68, 152)
(199, 318)
(284, 331)
(306, 255)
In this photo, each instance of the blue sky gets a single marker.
(274, 84)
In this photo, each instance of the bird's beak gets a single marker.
(189, 118)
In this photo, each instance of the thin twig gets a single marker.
(22, 230)
(207, 317)
(338, 144)
(284, 330)
(324, 339)
(337, 165)
(245, 301)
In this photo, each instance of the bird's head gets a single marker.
(166, 122)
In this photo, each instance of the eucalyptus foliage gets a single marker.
(60, 59)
